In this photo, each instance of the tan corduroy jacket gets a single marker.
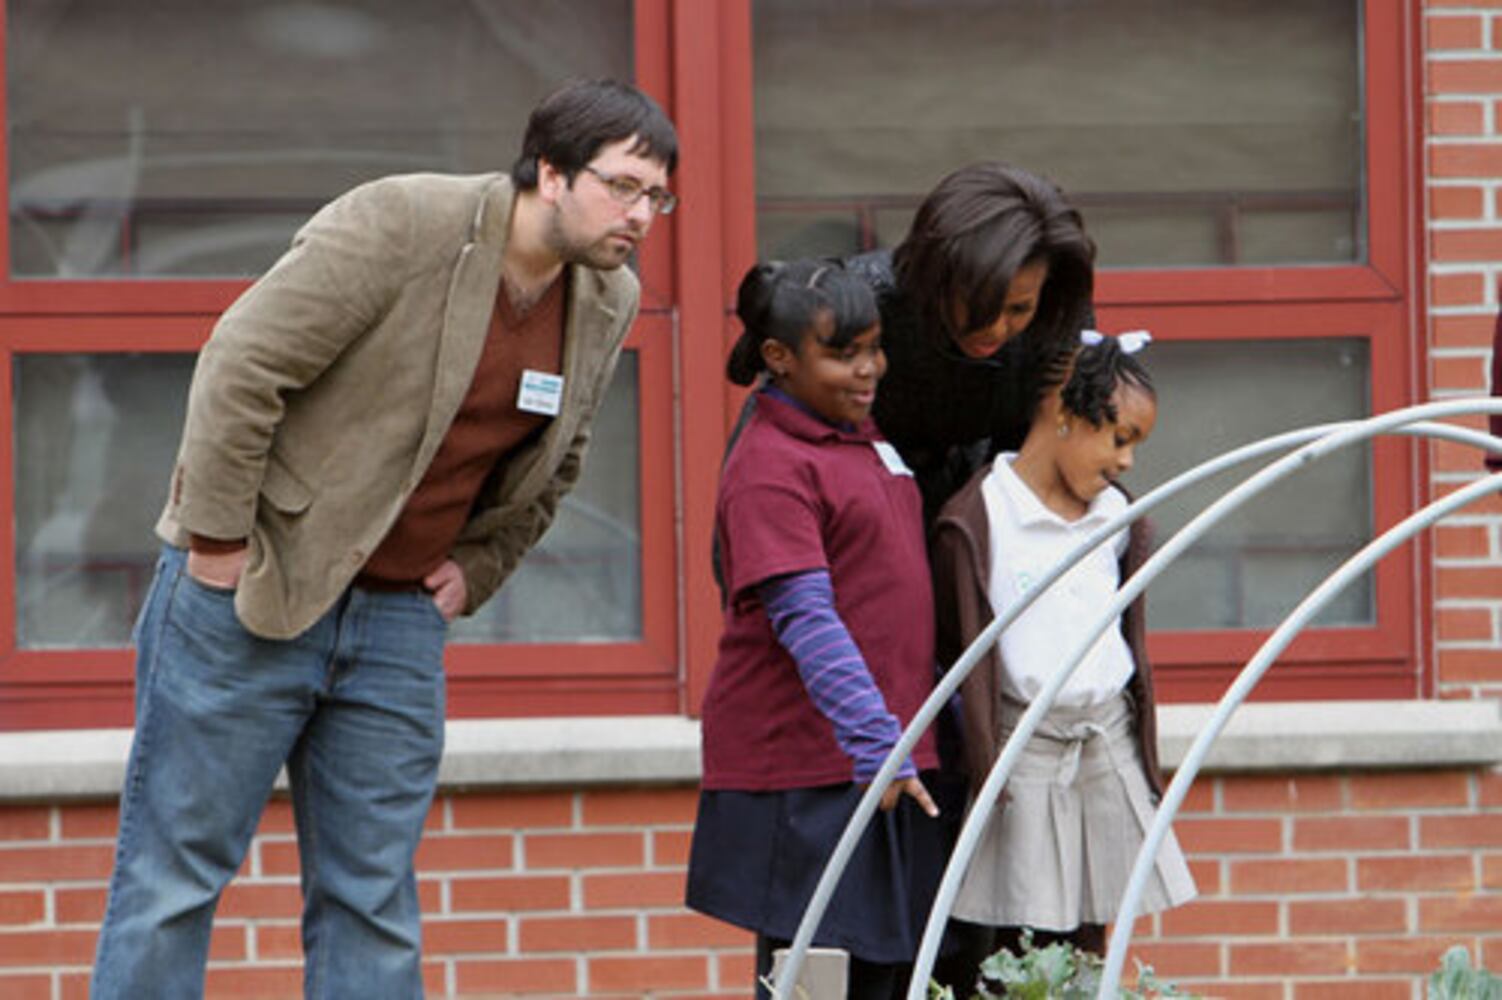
(325, 390)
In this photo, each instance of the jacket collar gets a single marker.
(473, 287)
(792, 417)
(488, 230)
(965, 513)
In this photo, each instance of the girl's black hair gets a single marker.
(782, 301)
(971, 235)
(1091, 374)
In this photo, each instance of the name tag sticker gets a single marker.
(541, 392)
(889, 457)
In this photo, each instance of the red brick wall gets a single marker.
(1463, 163)
(1333, 886)
(1312, 887)
(551, 893)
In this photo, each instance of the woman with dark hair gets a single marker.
(989, 289)
(993, 278)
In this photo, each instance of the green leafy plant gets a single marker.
(1456, 980)
(1054, 972)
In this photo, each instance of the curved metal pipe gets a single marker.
(1253, 672)
(970, 833)
(834, 869)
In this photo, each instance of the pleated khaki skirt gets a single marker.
(1059, 850)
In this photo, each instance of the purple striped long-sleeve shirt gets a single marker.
(802, 612)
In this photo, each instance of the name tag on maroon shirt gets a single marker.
(889, 457)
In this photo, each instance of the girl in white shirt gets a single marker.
(1056, 855)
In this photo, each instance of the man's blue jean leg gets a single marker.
(218, 711)
(362, 778)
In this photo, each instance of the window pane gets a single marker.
(178, 137)
(1261, 561)
(1213, 132)
(96, 437)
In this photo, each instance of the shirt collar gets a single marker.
(798, 420)
(1006, 484)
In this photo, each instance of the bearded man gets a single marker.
(377, 432)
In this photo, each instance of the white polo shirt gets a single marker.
(1027, 539)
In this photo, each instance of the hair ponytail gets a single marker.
(753, 305)
(783, 301)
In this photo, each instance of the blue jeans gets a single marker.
(354, 707)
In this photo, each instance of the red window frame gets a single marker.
(696, 58)
(82, 688)
(1380, 300)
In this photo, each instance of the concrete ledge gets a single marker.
(619, 750)
(639, 750)
(67, 764)
(1324, 735)
(479, 753)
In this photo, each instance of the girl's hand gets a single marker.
(908, 786)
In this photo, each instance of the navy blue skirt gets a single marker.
(757, 856)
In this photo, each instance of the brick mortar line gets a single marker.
(1478, 311)
(1452, 268)
(1485, 55)
(1437, 476)
(1487, 226)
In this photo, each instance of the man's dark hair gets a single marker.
(571, 125)
(977, 228)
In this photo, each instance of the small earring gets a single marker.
(1063, 429)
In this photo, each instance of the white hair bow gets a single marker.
(1131, 342)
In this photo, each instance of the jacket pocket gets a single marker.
(283, 489)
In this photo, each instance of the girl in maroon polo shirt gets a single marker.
(828, 642)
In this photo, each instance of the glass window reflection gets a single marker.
(1218, 132)
(183, 138)
(1252, 569)
(95, 440)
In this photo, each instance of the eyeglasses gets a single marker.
(628, 191)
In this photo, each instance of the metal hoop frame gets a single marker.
(1313, 443)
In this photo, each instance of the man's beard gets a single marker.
(602, 254)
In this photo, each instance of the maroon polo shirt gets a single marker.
(797, 494)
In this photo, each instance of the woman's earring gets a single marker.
(1063, 429)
